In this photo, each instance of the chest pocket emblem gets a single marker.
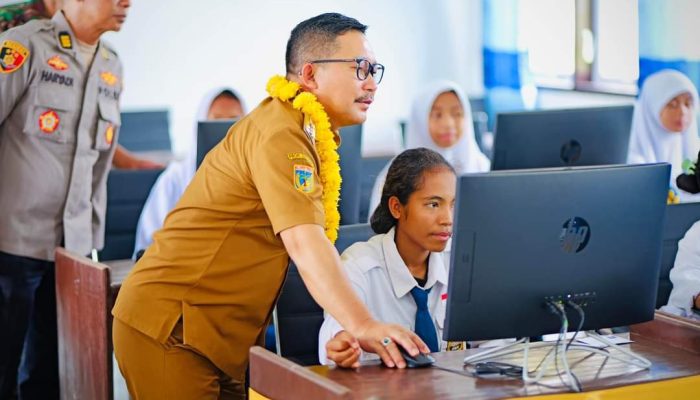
(109, 78)
(48, 122)
(109, 134)
(303, 178)
(56, 63)
(12, 56)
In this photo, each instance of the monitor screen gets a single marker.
(524, 237)
(560, 138)
(209, 134)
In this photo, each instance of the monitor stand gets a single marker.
(612, 351)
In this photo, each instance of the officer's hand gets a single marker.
(383, 340)
(146, 164)
(344, 350)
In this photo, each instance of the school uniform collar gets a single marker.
(400, 277)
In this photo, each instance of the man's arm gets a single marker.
(14, 77)
(320, 268)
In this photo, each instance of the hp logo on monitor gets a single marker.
(570, 152)
(575, 234)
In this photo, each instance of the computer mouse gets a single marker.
(419, 361)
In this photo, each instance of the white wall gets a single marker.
(174, 51)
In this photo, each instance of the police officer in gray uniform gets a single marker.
(59, 121)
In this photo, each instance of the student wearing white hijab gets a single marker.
(664, 124)
(685, 276)
(441, 120)
(219, 103)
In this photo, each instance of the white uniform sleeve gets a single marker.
(330, 326)
(163, 197)
(376, 195)
(685, 274)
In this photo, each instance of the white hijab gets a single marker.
(649, 141)
(174, 180)
(465, 156)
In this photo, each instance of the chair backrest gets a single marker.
(679, 218)
(145, 130)
(371, 167)
(272, 376)
(298, 317)
(127, 191)
(350, 153)
(83, 304)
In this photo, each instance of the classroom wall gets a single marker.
(174, 51)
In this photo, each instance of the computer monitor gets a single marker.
(209, 134)
(560, 138)
(524, 237)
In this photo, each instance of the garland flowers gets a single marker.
(279, 87)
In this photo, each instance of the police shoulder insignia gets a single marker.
(12, 56)
(48, 122)
(303, 178)
(57, 63)
(65, 40)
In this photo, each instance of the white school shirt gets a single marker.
(685, 275)
(383, 283)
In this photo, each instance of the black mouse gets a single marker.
(419, 361)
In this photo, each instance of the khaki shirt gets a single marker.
(218, 263)
(59, 121)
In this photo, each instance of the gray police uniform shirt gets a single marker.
(59, 121)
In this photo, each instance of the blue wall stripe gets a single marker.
(502, 68)
(648, 66)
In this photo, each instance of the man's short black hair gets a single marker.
(315, 37)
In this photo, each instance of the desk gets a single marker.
(377, 382)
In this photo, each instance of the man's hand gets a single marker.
(696, 301)
(373, 337)
(344, 350)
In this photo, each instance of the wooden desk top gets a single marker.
(377, 382)
(118, 270)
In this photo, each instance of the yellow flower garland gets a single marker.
(329, 171)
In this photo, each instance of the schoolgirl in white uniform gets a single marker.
(685, 276)
(664, 125)
(399, 273)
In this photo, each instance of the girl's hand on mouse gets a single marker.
(344, 350)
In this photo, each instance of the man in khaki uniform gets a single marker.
(203, 292)
(59, 119)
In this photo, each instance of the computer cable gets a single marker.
(582, 318)
(574, 384)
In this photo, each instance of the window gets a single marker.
(582, 44)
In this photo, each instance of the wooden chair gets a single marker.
(85, 294)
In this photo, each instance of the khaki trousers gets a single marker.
(170, 370)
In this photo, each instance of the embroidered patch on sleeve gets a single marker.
(303, 178)
(12, 56)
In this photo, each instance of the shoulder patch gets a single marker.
(303, 178)
(12, 56)
(65, 40)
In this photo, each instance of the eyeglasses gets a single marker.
(364, 67)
